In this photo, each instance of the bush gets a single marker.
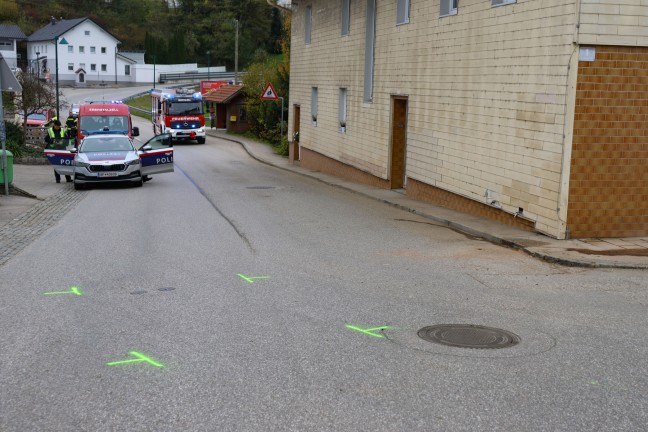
(15, 133)
(15, 148)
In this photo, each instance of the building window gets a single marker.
(370, 42)
(402, 11)
(93, 50)
(126, 69)
(242, 114)
(104, 68)
(314, 105)
(81, 50)
(6, 45)
(308, 24)
(70, 66)
(93, 67)
(87, 32)
(342, 110)
(346, 17)
(501, 2)
(71, 48)
(103, 50)
(448, 7)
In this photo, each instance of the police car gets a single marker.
(111, 158)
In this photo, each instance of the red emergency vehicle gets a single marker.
(180, 115)
(105, 117)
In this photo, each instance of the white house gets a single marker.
(9, 35)
(87, 53)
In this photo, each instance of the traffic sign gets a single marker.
(8, 81)
(269, 93)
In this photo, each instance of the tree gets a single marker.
(36, 96)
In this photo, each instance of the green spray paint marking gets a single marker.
(369, 330)
(73, 290)
(251, 278)
(140, 358)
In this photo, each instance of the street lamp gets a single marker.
(56, 43)
(208, 64)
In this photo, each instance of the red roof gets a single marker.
(224, 94)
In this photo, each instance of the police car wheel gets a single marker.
(138, 183)
(78, 186)
(200, 140)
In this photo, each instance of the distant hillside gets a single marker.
(184, 33)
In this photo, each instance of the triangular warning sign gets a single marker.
(269, 93)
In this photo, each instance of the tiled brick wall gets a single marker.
(425, 192)
(317, 162)
(415, 189)
(608, 193)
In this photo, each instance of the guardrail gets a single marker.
(197, 76)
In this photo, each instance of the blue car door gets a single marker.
(156, 155)
(59, 154)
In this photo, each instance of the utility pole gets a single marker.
(236, 43)
(208, 64)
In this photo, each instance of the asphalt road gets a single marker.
(225, 290)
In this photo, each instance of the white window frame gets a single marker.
(448, 7)
(342, 109)
(402, 12)
(104, 68)
(87, 32)
(93, 50)
(370, 45)
(71, 67)
(71, 49)
(495, 3)
(127, 69)
(308, 24)
(314, 101)
(346, 17)
(81, 49)
(93, 67)
(103, 50)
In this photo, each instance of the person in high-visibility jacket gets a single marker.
(71, 127)
(56, 134)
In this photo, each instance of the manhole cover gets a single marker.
(260, 187)
(469, 336)
(166, 289)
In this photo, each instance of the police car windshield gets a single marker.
(106, 143)
(185, 108)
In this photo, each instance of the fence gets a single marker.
(35, 135)
(197, 76)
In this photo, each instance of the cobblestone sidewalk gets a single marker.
(21, 231)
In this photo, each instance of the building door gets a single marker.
(81, 77)
(295, 145)
(221, 116)
(398, 142)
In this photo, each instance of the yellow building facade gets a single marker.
(531, 112)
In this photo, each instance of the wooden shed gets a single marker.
(228, 105)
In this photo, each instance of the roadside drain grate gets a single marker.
(469, 336)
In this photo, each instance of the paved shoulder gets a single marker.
(19, 232)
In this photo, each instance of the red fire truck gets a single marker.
(105, 117)
(180, 115)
